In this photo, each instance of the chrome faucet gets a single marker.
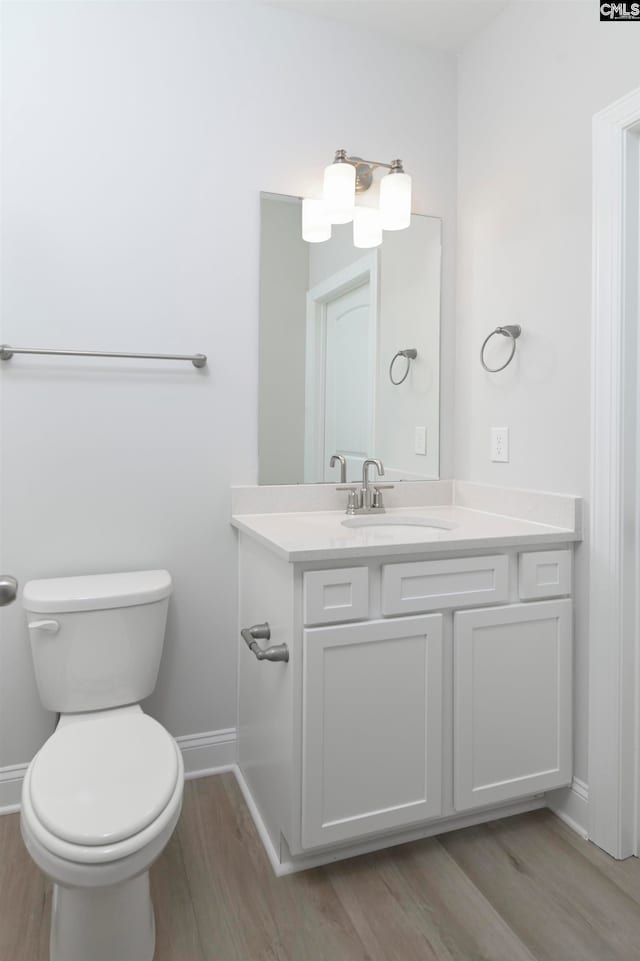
(339, 459)
(368, 498)
(366, 491)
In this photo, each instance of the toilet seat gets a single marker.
(74, 865)
(104, 780)
(39, 795)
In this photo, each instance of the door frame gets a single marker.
(362, 271)
(614, 698)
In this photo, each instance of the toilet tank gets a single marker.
(97, 640)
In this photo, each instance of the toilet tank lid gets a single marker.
(96, 592)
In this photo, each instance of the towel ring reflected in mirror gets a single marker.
(513, 331)
(410, 353)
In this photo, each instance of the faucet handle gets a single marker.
(376, 497)
(354, 501)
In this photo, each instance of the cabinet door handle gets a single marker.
(262, 632)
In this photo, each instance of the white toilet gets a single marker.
(101, 798)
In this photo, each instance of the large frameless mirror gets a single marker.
(349, 350)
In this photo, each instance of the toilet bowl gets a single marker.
(99, 803)
(102, 797)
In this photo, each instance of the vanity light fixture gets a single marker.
(343, 180)
(316, 225)
(367, 227)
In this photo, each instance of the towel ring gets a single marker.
(410, 353)
(513, 331)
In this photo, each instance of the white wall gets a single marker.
(136, 139)
(410, 262)
(528, 88)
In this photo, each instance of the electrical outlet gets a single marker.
(500, 444)
(420, 440)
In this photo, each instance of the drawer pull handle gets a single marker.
(262, 632)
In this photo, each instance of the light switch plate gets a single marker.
(500, 445)
(420, 440)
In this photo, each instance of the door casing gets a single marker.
(614, 674)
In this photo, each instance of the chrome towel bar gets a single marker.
(7, 352)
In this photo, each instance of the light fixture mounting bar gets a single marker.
(366, 168)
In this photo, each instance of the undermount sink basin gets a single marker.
(397, 520)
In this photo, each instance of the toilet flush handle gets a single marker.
(51, 627)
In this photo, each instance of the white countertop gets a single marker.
(320, 535)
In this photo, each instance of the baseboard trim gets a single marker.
(304, 862)
(11, 779)
(272, 854)
(212, 752)
(571, 805)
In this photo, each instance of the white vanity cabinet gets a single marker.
(512, 701)
(372, 727)
(419, 691)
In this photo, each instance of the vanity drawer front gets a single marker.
(338, 595)
(436, 585)
(544, 574)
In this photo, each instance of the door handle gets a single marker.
(8, 589)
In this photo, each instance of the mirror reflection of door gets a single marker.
(349, 373)
(341, 370)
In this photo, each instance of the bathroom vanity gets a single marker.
(429, 675)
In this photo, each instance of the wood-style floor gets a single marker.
(522, 889)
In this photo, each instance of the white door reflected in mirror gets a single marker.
(340, 358)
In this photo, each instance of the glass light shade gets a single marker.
(395, 201)
(339, 192)
(367, 229)
(316, 225)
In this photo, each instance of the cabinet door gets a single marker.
(372, 728)
(512, 703)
